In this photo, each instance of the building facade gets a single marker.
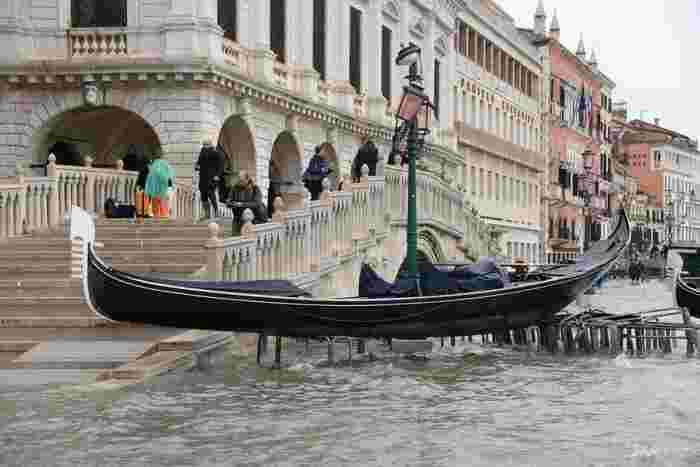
(579, 113)
(498, 106)
(667, 165)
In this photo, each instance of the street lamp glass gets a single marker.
(411, 103)
(588, 160)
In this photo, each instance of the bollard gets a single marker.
(331, 342)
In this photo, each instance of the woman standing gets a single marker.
(160, 174)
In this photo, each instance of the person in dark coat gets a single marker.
(315, 173)
(245, 194)
(211, 168)
(368, 154)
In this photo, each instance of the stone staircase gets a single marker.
(36, 290)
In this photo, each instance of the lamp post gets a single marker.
(413, 123)
(669, 217)
(588, 167)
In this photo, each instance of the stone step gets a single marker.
(43, 307)
(40, 288)
(30, 242)
(163, 243)
(45, 269)
(52, 323)
(105, 330)
(38, 255)
(159, 268)
(154, 256)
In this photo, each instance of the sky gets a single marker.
(650, 49)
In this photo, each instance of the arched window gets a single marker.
(228, 18)
(98, 13)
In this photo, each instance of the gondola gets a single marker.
(686, 280)
(280, 308)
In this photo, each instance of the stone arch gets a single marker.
(285, 170)
(104, 133)
(429, 243)
(238, 142)
(331, 156)
(41, 113)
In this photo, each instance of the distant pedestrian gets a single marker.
(368, 155)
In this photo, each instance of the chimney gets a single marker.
(657, 121)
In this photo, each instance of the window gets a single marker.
(480, 51)
(355, 49)
(462, 38)
(436, 90)
(473, 180)
(228, 18)
(278, 29)
(386, 62)
(481, 183)
(472, 45)
(489, 186)
(98, 13)
(498, 187)
(320, 38)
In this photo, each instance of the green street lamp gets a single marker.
(413, 123)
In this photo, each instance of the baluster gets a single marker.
(43, 206)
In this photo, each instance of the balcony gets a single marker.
(500, 147)
(97, 42)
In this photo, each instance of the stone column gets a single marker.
(372, 63)
(302, 24)
(15, 31)
(338, 54)
(263, 57)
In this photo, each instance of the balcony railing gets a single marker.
(97, 42)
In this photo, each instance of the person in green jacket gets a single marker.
(160, 177)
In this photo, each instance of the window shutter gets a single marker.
(228, 18)
(386, 63)
(355, 51)
(277, 29)
(436, 90)
(320, 38)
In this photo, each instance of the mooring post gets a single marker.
(453, 341)
(331, 342)
(361, 346)
(278, 351)
(260, 349)
(307, 345)
(350, 349)
(691, 335)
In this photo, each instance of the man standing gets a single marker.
(211, 168)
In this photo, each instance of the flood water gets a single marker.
(467, 405)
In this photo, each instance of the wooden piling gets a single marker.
(453, 341)
(331, 343)
(278, 351)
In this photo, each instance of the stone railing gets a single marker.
(237, 56)
(36, 203)
(438, 202)
(93, 42)
(299, 242)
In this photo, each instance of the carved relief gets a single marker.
(418, 26)
(392, 10)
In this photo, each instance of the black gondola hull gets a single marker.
(688, 297)
(123, 297)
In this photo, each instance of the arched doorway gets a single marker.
(329, 155)
(237, 142)
(103, 133)
(285, 172)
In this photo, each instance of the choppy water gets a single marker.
(500, 408)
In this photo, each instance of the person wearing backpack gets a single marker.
(160, 175)
(315, 173)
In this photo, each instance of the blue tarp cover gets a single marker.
(484, 275)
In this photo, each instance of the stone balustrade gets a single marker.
(237, 56)
(97, 42)
(36, 203)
